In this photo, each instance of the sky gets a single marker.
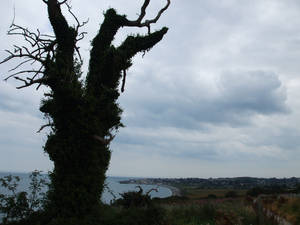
(217, 97)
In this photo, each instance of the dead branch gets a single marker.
(44, 126)
(42, 48)
(79, 36)
(147, 23)
(29, 81)
(143, 11)
(36, 72)
(79, 25)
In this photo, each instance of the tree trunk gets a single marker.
(83, 117)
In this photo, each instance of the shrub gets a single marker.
(135, 199)
(18, 206)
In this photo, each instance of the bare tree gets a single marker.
(82, 116)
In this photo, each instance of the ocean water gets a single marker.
(117, 188)
(112, 184)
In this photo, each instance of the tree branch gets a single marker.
(44, 126)
(146, 23)
(31, 82)
(64, 34)
(134, 44)
(143, 11)
(42, 50)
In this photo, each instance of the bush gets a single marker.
(18, 206)
(135, 199)
(135, 208)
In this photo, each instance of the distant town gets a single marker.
(219, 183)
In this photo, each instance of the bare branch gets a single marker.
(143, 10)
(158, 14)
(23, 71)
(75, 17)
(81, 35)
(31, 82)
(22, 56)
(44, 126)
(41, 50)
(147, 23)
(20, 64)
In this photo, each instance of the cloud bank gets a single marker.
(217, 97)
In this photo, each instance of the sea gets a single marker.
(112, 191)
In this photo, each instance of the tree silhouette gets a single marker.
(83, 116)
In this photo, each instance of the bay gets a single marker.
(113, 186)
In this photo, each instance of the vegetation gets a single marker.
(16, 206)
(197, 193)
(83, 115)
(287, 207)
(136, 208)
(235, 183)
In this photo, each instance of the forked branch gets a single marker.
(147, 23)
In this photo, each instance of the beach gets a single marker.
(175, 191)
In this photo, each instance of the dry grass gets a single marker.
(195, 193)
(286, 207)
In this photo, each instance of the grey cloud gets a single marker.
(183, 101)
(180, 85)
(286, 138)
(25, 101)
(254, 91)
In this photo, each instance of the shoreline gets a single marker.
(174, 190)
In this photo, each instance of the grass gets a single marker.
(193, 192)
(210, 212)
(286, 207)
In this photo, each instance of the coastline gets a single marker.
(175, 191)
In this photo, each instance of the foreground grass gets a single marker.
(188, 212)
(225, 212)
(286, 207)
(199, 193)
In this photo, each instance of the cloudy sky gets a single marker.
(219, 96)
